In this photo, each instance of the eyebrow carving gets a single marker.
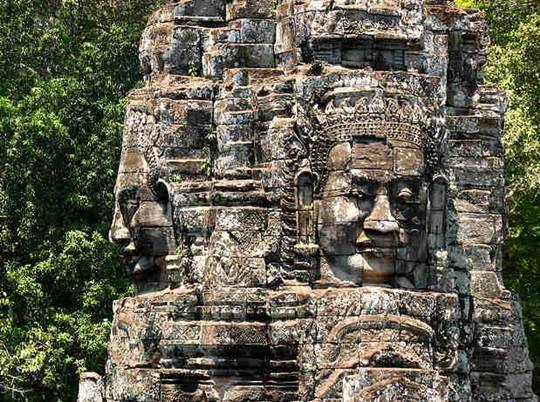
(128, 194)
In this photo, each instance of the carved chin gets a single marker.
(378, 268)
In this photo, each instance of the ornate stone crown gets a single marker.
(346, 105)
(350, 114)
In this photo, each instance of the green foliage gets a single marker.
(514, 65)
(65, 69)
(58, 316)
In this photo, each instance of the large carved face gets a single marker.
(372, 215)
(142, 223)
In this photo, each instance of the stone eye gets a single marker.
(129, 202)
(405, 195)
(360, 194)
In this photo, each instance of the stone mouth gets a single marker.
(381, 252)
(138, 265)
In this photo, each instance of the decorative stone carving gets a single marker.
(310, 201)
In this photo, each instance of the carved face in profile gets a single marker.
(142, 223)
(373, 207)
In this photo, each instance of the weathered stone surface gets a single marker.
(310, 200)
(90, 388)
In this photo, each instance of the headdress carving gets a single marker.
(141, 138)
(351, 113)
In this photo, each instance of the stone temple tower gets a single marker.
(311, 203)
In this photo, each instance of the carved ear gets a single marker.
(437, 219)
(315, 178)
(306, 183)
(162, 192)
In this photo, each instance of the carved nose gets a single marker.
(380, 219)
(119, 233)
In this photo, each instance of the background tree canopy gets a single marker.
(65, 69)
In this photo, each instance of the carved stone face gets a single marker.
(372, 216)
(142, 223)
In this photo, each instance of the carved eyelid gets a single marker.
(344, 193)
(363, 185)
(128, 194)
(408, 192)
(405, 192)
(361, 193)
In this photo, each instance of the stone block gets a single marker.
(183, 60)
(486, 284)
(371, 156)
(234, 133)
(472, 177)
(185, 112)
(408, 161)
(188, 167)
(235, 162)
(134, 384)
(394, 384)
(501, 360)
(256, 31)
(235, 117)
(211, 10)
(501, 387)
(90, 388)
(353, 23)
(285, 35)
(255, 9)
(476, 257)
(500, 337)
(233, 104)
(476, 228)
(281, 142)
(473, 148)
(494, 311)
(473, 201)
(278, 106)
